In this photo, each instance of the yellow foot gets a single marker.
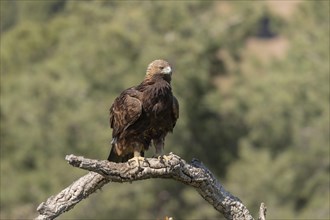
(136, 160)
(163, 158)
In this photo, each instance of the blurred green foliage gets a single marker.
(261, 125)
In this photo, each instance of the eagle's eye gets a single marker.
(161, 67)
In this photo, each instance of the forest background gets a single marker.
(252, 79)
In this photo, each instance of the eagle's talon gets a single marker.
(136, 160)
(166, 158)
(162, 158)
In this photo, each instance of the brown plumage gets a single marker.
(143, 114)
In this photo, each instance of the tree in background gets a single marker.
(265, 120)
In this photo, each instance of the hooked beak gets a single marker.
(167, 70)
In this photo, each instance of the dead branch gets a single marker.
(194, 174)
(262, 212)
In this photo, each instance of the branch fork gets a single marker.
(102, 172)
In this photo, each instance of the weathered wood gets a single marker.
(70, 196)
(172, 166)
(262, 212)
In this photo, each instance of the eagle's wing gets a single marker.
(175, 110)
(125, 111)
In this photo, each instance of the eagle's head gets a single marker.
(159, 68)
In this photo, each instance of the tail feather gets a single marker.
(114, 157)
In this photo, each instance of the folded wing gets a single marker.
(125, 111)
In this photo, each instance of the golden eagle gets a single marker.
(143, 114)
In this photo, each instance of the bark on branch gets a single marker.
(194, 174)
